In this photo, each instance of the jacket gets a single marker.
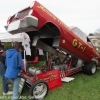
(13, 63)
(2, 57)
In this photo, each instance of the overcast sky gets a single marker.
(85, 14)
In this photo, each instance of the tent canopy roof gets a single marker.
(7, 37)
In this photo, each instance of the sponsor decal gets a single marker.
(78, 45)
(53, 16)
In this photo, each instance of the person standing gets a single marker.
(1, 48)
(13, 63)
(5, 88)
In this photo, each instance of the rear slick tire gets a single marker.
(90, 68)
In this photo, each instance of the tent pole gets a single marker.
(24, 53)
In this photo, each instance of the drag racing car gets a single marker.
(69, 50)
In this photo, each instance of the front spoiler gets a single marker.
(23, 25)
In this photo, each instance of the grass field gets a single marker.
(83, 87)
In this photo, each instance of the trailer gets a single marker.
(69, 53)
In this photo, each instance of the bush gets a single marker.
(7, 45)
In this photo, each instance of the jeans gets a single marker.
(4, 79)
(16, 82)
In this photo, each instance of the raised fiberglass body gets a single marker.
(37, 17)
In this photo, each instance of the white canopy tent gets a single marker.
(7, 37)
(20, 37)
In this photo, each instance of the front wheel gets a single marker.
(38, 90)
(90, 68)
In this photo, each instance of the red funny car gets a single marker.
(69, 52)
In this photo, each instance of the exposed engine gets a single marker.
(60, 67)
(54, 64)
(57, 64)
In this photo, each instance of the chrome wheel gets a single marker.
(39, 90)
(93, 69)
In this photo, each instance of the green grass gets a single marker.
(83, 87)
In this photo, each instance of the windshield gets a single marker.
(79, 33)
